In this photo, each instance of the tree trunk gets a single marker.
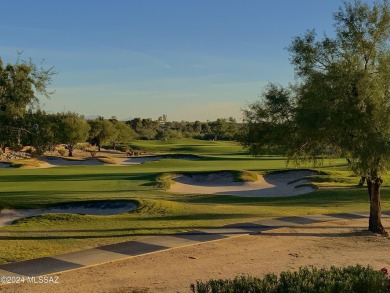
(70, 150)
(375, 222)
(98, 145)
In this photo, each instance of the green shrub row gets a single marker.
(306, 280)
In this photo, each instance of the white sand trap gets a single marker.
(5, 165)
(270, 185)
(47, 162)
(56, 162)
(7, 216)
(137, 160)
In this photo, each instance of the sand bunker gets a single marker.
(137, 160)
(94, 162)
(102, 208)
(286, 183)
(5, 165)
(55, 162)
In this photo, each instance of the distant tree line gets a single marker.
(43, 131)
(220, 129)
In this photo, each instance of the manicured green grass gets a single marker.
(160, 212)
(190, 146)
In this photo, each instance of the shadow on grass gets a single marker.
(198, 227)
(76, 177)
(228, 157)
(65, 192)
(48, 198)
(314, 198)
(60, 218)
(192, 230)
(320, 198)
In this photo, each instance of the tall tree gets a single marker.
(20, 85)
(124, 133)
(73, 129)
(43, 130)
(101, 131)
(268, 121)
(343, 96)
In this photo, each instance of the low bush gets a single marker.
(62, 152)
(352, 279)
(248, 176)
(24, 163)
(165, 181)
(107, 160)
(82, 146)
(122, 148)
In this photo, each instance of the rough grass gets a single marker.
(107, 160)
(74, 158)
(165, 181)
(248, 176)
(25, 163)
(190, 146)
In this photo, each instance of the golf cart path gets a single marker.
(152, 244)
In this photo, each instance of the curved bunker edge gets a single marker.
(93, 208)
(274, 184)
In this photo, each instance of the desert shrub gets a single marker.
(37, 152)
(62, 152)
(145, 151)
(352, 279)
(29, 150)
(25, 163)
(121, 147)
(129, 152)
(107, 160)
(82, 146)
(248, 176)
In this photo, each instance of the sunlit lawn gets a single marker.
(160, 212)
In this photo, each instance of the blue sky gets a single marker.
(191, 60)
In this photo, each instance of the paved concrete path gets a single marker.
(145, 245)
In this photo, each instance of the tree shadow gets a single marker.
(76, 177)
